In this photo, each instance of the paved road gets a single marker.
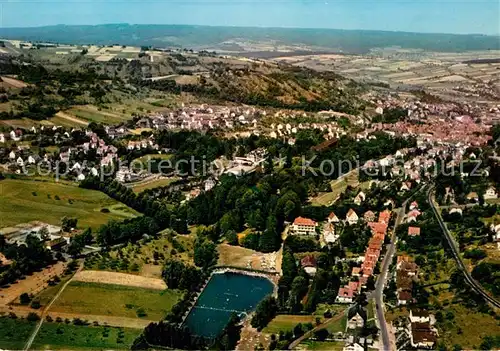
(323, 325)
(378, 294)
(456, 255)
(45, 310)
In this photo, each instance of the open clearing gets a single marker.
(23, 201)
(115, 300)
(237, 256)
(338, 187)
(120, 279)
(285, 322)
(54, 336)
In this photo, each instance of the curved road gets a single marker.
(456, 255)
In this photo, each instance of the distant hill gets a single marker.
(245, 38)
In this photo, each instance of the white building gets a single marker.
(303, 226)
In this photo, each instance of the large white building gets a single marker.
(303, 226)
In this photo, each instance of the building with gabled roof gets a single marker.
(303, 226)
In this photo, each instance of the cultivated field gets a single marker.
(115, 300)
(120, 279)
(23, 201)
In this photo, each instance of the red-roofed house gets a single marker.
(413, 231)
(384, 217)
(412, 216)
(369, 216)
(303, 226)
(309, 264)
(413, 205)
(352, 217)
(345, 295)
(332, 218)
(378, 227)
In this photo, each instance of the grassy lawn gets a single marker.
(467, 328)
(140, 187)
(14, 333)
(338, 326)
(144, 159)
(338, 187)
(59, 336)
(23, 201)
(286, 322)
(321, 345)
(115, 300)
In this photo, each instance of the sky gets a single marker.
(428, 16)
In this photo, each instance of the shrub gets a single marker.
(24, 299)
(35, 304)
(141, 312)
(105, 210)
(33, 317)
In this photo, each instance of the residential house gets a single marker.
(345, 295)
(404, 297)
(369, 216)
(356, 321)
(303, 226)
(413, 231)
(329, 233)
(422, 336)
(412, 216)
(473, 197)
(359, 198)
(419, 316)
(332, 218)
(490, 194)
(309, 264)
(384, 217)
(413, 205)
(352, 217)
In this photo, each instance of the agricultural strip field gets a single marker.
(151, 184)
(60, 336)
(22, 201)
(120, 279)
(115, 300)
(93, 114)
